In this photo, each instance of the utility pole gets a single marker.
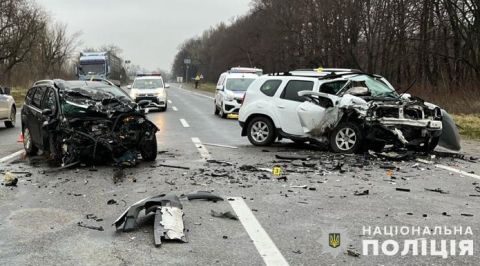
(187, 62)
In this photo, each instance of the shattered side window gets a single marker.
(294, 87)
(270, 87)
(375, 87)
(333, 87)
(29, 97)
(37, 98)
(50, 101)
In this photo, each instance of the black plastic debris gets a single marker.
(222, 163)
(112, 202)
(467, 214)
(361, 193)
(98, 228)
(168, 217)
(174, 166)
(204, 195)
(225, 215)
(438, 190)
(402, 189)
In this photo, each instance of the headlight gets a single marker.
(230, 96)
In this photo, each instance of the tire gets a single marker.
(221, 113)
(148, 149)
(28, 144)
(346, 138)
(164, 109)
(431, 144)
(13, 118)
(261, 131)
(217, 112)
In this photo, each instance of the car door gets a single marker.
(219, 93)
(319, 113)
(49, 102)
(287, 103)
(35, 119)
(3, 104)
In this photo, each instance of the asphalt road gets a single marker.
(38, 219)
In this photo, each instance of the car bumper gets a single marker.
(231, 107)
(154, 102)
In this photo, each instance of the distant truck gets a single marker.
(101, 65)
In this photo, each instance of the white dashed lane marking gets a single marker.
(175, 109)
(268, 250)
(184, 123)
(170, 102)
(204, 153)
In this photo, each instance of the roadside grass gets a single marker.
(19, 93)
(208, 87)
(469, 125)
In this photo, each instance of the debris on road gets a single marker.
(438, 190)
(112, 202)
(353, 253)
(225, 215)
(402, 189)
(168, 224)
(174, 166)
(98, 228)
(222, 163)
(292, 157)
(9, 180)
(204, 195)
(92, 216)
(361, 193)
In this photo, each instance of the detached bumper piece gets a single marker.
(168, 217)
(168, 211)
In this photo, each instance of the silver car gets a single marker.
(8, 110)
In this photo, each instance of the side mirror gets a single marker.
(358, 91)
(47, 112)
(167, 85)
(129, 87)
(143, 103)
(6, 91)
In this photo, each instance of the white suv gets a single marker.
(347, 109)
(231, 88)
(150, 87)
(8, 110)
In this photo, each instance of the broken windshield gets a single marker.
(238, 84)
(376, 87)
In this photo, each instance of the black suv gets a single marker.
(84, 120)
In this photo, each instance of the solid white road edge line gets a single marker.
(201, 149)
(12, 156)
(262, 241)
(184, 123)
(175, 109)
(448, 168)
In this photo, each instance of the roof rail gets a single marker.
(44, 82)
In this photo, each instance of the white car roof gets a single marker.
(241, 75)
(149, 77)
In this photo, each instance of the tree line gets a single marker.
(433, 42)
(32, 46)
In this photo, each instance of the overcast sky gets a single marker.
(148, 31)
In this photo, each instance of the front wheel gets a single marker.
(148, 148)
(261, 131)
(221, 113)
(30, 148)
(13, 116)
(346, 138)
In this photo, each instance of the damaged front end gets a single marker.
(97, 126)
(407, 122)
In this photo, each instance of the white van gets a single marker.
(231, 88)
